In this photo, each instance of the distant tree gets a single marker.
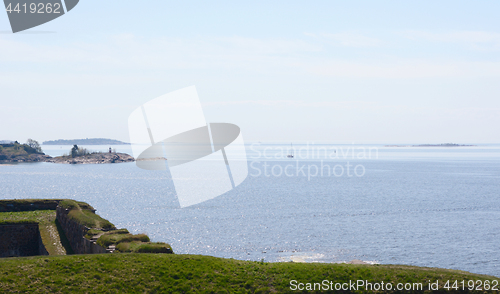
(74, 151)
(82, 151)
(34, 144)
(78, 151)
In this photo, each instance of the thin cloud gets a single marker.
(406, 69)
(480, 40)
(294, 103)
(118, 59)
(350, 39)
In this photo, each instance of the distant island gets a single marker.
(432, 145)
(31, 151)
(87, 141)
(17, 152)
(92, 158)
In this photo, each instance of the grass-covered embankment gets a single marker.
(168, 273)
(84, 214)
(51, 233)
(107, 234)
(125, 242)
(27, 211)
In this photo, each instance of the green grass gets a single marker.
(69, 204)
(90, 219)
(141, 247)
(126, 242)
(27, 201)
(157, 247)
(52, 236)
(110, 239)
(128, 247)
(83, 214)
(168, 273)
(17, 222)
(26, 204)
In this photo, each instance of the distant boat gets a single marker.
(291, 154)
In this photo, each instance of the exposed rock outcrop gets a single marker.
(94, 158)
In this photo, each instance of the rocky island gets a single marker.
(93, 158)
(15, 152)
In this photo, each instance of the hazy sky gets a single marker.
(322, 71)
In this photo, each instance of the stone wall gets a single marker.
(21, 240)
(75, 233)
(25, 239)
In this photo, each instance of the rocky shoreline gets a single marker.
(93, 158)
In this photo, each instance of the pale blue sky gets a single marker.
(322, 71)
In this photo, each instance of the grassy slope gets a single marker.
(83, 213)
(167, 273)
(49, 229)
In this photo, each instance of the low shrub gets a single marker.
(113, 239)
(120, 231)
(124, 247)
(154, 248)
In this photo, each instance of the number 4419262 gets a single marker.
(472, 285)
(34, 8)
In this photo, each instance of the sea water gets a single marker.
(424, 206)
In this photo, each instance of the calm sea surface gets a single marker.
(428, 206)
